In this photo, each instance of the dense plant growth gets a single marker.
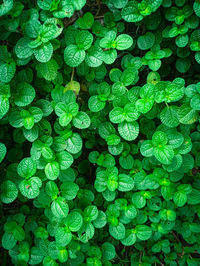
(100, 134)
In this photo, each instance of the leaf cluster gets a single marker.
(100, 133)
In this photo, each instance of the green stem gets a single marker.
(72, 76)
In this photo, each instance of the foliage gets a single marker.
(100, 134)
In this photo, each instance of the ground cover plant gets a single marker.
(100, 134)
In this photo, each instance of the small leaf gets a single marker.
(73, 56)
(30, 188)
(9, 192)
(26, 168)
(59, 208)
(74, 221)
(117, 232)
(143, 232)
(123, 42)
(52, 170)
(81, 120)
(44, 53)
(48, 70)
(164, 154)
(128, 130)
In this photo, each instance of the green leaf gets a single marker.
(74, 143)
(128, 76)
(78, 5)
(18, 233)
(59, 208)
(95, 104)
(51, 189)
(74, 221)
(117, 232)
(146, 41)
(108, 251)
(26, 168)
(180, 198)
(84, 40)
(196, 7)
(182, 40)
(94, 56)
(62, 255)
(9, 192)
(8, 241)
(25, 94)
(112, 182)
(146, 148)
(159, 138)
(154, 65)
(15, 119)
(49, 261)
(115, 74)
(130, 12)
(45, 5)
(81, 120)
(174, 93)
(164, 154)
(73, 56)
(109, 56)
(119, 3)
(130, 212)
(64, 159)
(143, 232)
(144, 105)
(126, 162)
(175, 164)
(69, 190)
(62, 236)
(31, 134)
(22, 48)
(169, 116)
(117, 115)
(5, 7)
(86, 21)
(30, 188)
(109, 40)
(7, 71)
(194, 197)
(44, 53)
(86, 232)
(52, 170)
(126, 183)
(118, 88)
(128, 130)
(176, 139)
(130, 238)
(123, 42)
(65, 116)
(4, 99)
(195, 102)
(187, 115)
(90, 213)
(48, 70)
(35, 256)
(100, 221)
(183, 65)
